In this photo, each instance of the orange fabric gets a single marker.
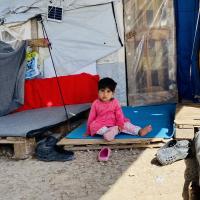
(76, 89)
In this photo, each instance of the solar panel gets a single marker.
(55, 13)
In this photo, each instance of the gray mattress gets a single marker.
(26, 122)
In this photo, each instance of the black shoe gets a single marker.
(47, 150)
(55, 156)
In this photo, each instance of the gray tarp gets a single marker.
(12, 74)
(29, 121)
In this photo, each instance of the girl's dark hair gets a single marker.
(107, 83)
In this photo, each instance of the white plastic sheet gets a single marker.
(150, 51)
(23, 10)
(84, 36)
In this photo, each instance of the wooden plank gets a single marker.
(188, 114)
(159, 60)
(22, 139)
(96, 147)
(23, 147)
(147, 66)
(12, 140)
(24, 150)
(5, 141)
(66, 141)
(186, 126)
(34, 32)
(183, 133)
(34, 29)
(154, 34)
(40, 42)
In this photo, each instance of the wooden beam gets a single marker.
(23, 147)
(66, 141)
(188, 114)
(34, 32)
(184, 133)
(153, 34)
(40, 42)
(96, 147)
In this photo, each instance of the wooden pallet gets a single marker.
(91, 144)
(187, 120)
(23, 147)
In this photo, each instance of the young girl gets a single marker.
(106, 117)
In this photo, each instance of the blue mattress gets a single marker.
(161, 117)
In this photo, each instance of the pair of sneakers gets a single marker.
(172, 151)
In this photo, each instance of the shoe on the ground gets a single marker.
(177, 143)
(173, 151)
(47, 150)
(104, 154)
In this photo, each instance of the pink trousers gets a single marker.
(110, 133)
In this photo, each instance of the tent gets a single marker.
(72, 52)
(92, 32)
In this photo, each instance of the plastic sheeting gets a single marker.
(14, 33)
(30, 122)
(150, 51)
(84, 36)
(196, 60)
(188, 44)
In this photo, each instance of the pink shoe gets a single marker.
(104, 154)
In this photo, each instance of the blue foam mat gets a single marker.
(161, 117)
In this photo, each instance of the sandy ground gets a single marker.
(128, 175)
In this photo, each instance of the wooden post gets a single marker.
(25, 148)
(34, 32)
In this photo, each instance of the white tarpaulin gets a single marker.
(23, 10)
(84, 36)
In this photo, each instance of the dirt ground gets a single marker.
(128, 175)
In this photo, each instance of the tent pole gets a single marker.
(39, 18)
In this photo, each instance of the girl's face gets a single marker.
(105, 94)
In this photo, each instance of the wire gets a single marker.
(39, 18)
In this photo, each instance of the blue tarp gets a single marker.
(161, 117)
(188, 73)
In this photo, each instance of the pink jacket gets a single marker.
(105, 114)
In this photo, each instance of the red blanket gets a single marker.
(76, 89)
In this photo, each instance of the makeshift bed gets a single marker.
(161, 118)
(17, 128)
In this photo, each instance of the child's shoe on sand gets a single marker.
(104, 154)
(173, 151)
